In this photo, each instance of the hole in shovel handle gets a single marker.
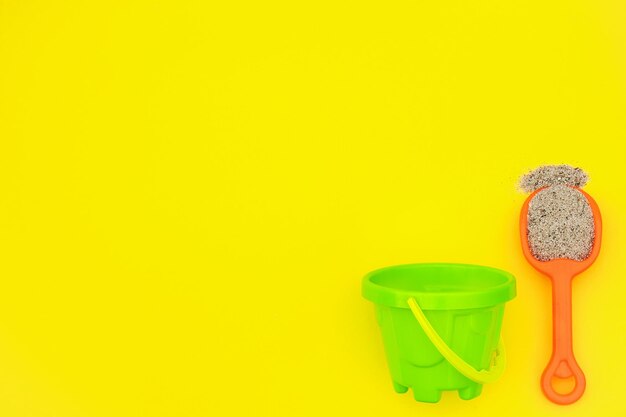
(557, 371)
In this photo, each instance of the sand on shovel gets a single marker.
(549, 175)
(560, 220)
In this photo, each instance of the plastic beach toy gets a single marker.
(441, 325)
(561, 272)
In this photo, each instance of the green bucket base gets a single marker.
(431, 395)
(414, 362)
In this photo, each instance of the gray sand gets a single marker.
(560, 224)
(548, 175)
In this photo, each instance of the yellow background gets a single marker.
(190, 193)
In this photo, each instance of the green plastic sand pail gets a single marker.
(441, 325)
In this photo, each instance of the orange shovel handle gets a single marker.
(562, 364)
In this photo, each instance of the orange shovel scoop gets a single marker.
(561, 272)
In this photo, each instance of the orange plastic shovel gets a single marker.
(561, 272)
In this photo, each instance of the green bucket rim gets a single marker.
(487, 286)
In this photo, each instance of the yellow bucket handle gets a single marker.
(455, 360)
